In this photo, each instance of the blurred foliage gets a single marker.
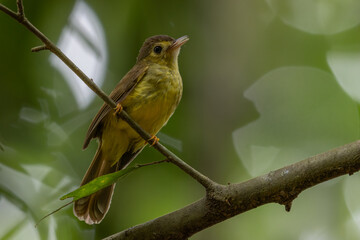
(266, 83)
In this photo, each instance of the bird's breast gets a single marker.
(154, 99)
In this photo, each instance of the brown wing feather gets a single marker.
(122, 89)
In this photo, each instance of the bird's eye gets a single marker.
(157, 49)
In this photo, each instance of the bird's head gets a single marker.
(161, 49)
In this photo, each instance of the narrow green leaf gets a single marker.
(98, 183)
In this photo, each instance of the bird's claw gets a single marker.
(153, 140)
(118, 109)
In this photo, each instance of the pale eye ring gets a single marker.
(157, 49)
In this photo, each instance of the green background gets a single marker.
(266, 83)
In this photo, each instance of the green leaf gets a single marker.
(98, 184)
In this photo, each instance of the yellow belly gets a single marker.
(150, 106)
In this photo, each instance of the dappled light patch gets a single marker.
(318, 17)
(83, 41)
(303, 111)
(345, 66)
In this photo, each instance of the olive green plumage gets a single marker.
(150, 93)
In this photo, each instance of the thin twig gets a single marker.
(198, 176)
(8, 12)
(20, 17)
(20, 8)
(152, 163)
(39, 48)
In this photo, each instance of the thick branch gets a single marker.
(281, 186)
(48, 45)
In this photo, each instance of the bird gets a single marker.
(150, 92)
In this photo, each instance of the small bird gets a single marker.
(149, 93)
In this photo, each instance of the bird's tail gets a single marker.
(92, 209)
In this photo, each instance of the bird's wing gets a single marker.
(122, 89)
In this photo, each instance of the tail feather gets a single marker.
(92, 209)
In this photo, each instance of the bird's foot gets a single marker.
(153, 140)
(118, 109)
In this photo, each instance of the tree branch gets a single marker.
(281, 186)
(221, 201)
(48, 45)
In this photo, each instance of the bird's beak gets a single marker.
(178, 43)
